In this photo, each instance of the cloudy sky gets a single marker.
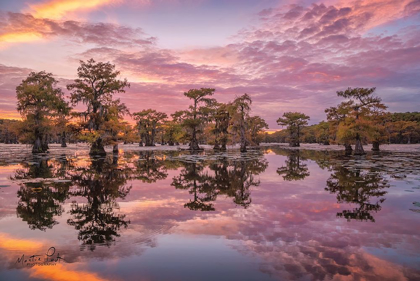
(287, 55)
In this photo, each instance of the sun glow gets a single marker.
(19, 37)
(57, 9)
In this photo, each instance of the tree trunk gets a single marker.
(44, 144)
(37, 148)
(294, 140)
(115, 148)
(358, 148)
(243, 144)
(216, 145)
(348, 149)
(375, 146)
(194, 143)
(97, 148)
(243, 139)
(298, 136)
(63, 140)
(152, 138)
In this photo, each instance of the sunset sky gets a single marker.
(287, 55)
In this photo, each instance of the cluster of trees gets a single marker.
(360, 119)
(48, 116)
(9, 131)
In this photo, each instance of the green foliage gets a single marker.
(198, 113)
(149, 121)
(10, 130)
(358, 119)
(220, 131)
(240, 108)
(294, 122)
(256, 126)
(40, 103)
(96, 84)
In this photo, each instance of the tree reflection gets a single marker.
(193, 179)
(101, 184)
(150, 167)
(294, 169)
(207, 180)
(364, 188)
(42, 191)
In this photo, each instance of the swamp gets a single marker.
(268, 214)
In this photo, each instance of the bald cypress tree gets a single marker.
(95, 87)
(40, 102)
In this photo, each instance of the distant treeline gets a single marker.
(401, 128)
(398, 128)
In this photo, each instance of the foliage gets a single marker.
(359, 118)
(294, 122)
(198, 113)
(10, 130)
(256, 126)
(220, 131)
(149, 121)
(96, 84)
(240, 108)
(40, 103)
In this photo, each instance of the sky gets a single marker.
(288, 55)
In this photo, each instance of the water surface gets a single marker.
(269, 214)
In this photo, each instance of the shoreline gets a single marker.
(82, 147)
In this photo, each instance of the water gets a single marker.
(269, 214)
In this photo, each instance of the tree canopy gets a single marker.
(294, 122)
(40, 102)
(96, 84)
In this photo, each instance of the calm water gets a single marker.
(266, 215)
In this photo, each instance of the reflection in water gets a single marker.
(232, 178)
(359, 187)
(294, 169)
(40, 194)
(353, 185)
(290, 233)
(193, 179)
(100, 183)
(150, 167)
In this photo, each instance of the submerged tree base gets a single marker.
(375, 146)
(97, 148)
(194, 146)
(358, 149)
(348, 150)
(39, 147)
